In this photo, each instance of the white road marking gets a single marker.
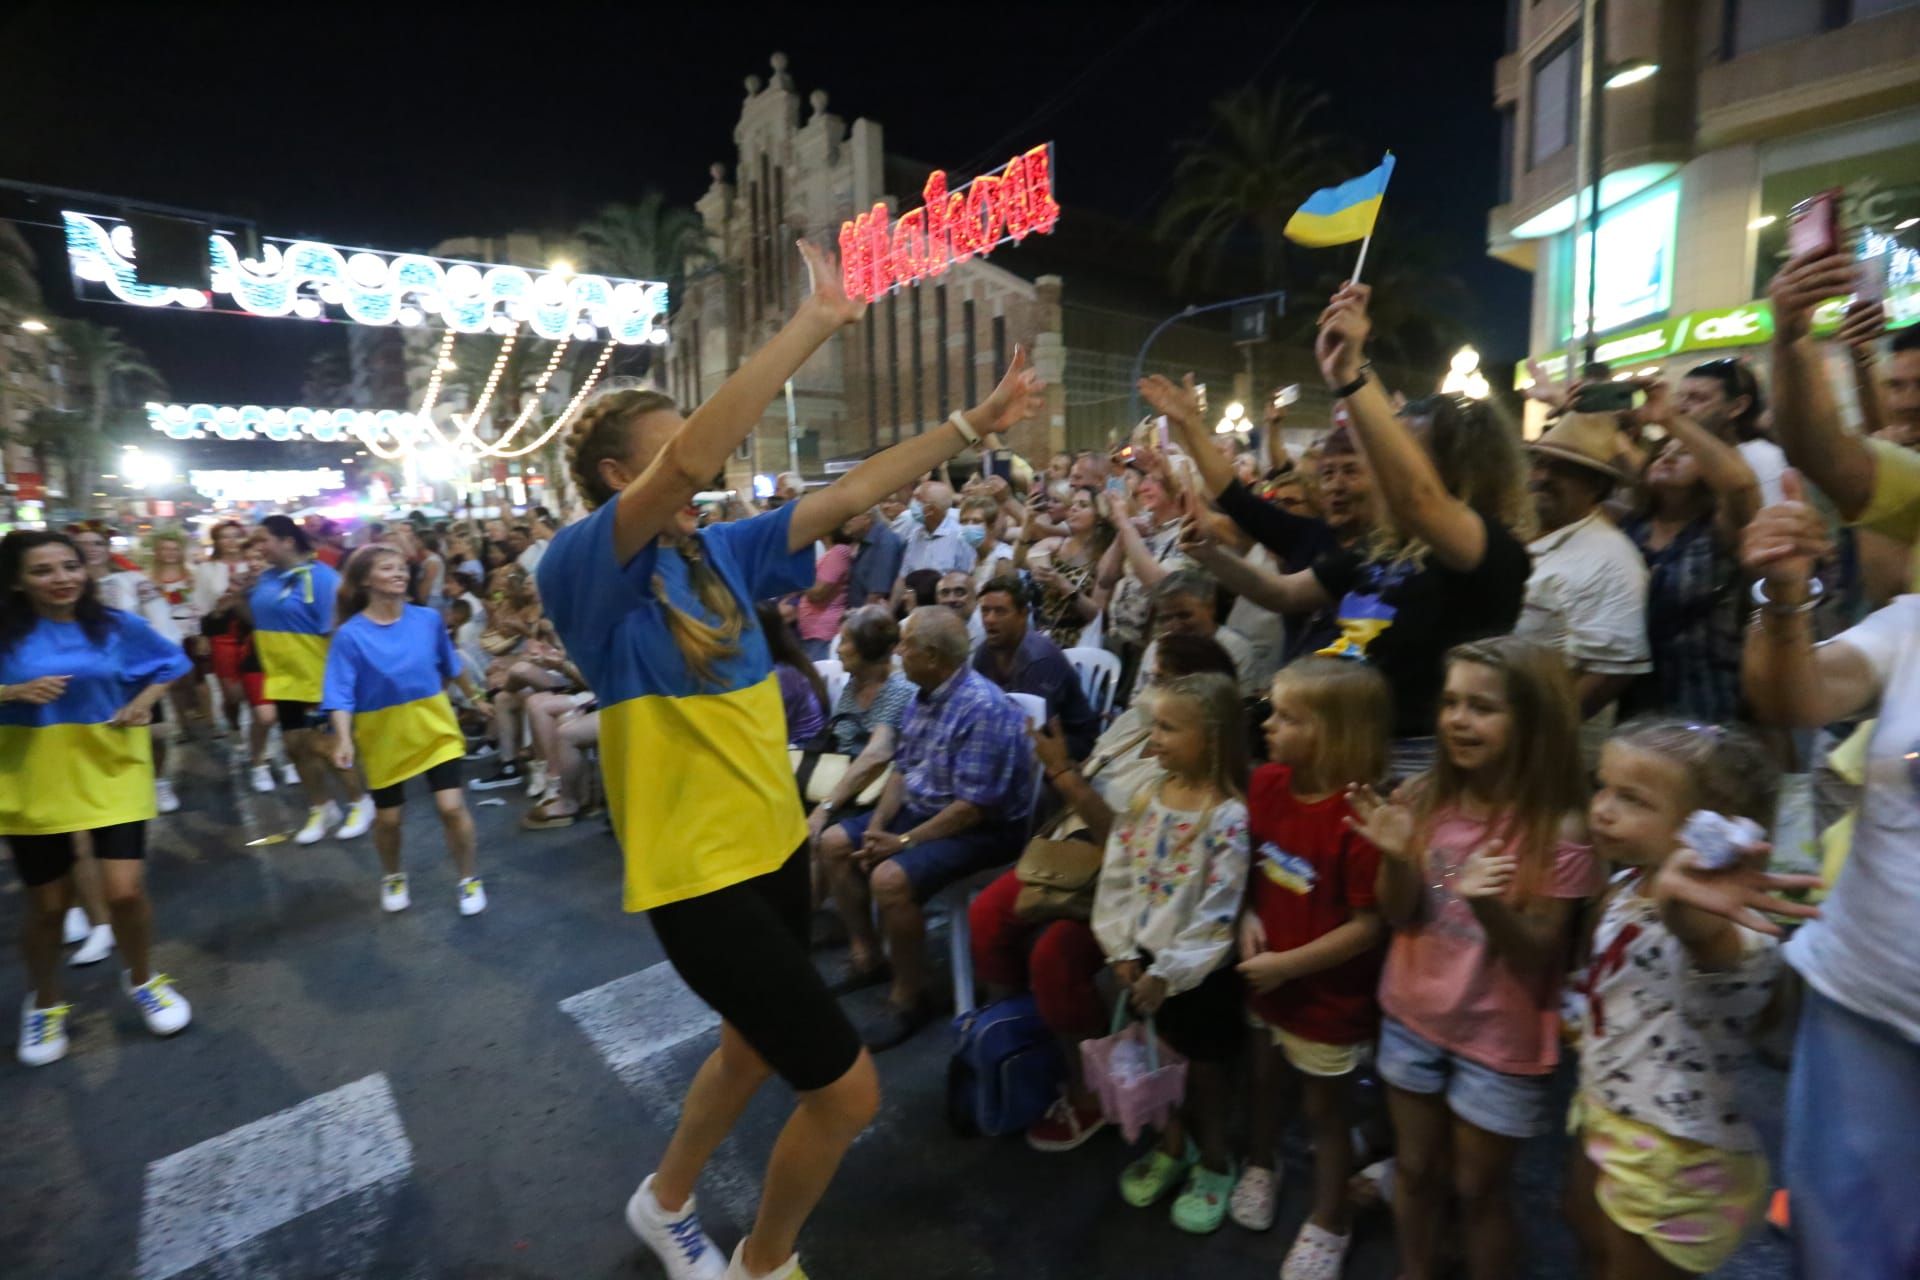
(226, 1191)
(632, 1019)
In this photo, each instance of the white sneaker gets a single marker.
(97, 947)
(678, 1240)
(537, 778)
(1317, 1254)
(262, 775)
(289, 775)
(165, 1009)
(43, 1033)
(163, 797)
(393, 893)
(788, 1270)
(359, 819)
(75, 928)
(319, 818)
(473, 896)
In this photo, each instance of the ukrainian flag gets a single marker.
(1342, 214)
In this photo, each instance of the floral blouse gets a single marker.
(1171, 886)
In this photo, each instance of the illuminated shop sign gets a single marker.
(879, 254)
(1636, 262)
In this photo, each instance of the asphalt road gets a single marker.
(425, 1095)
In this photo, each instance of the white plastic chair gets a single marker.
(1034, 707)
(1099, 673)
(835, 677)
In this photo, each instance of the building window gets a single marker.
(1755, 24)
(893, 363)
(972, 328)
(780, 244)
(999, 346)
(1556, 100)
(1503, 184)
(919, 365)
(940, 380)
(694, 358)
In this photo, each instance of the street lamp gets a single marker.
(1464, 376)
(1233, 421)
(1632, 71)
(32, 325)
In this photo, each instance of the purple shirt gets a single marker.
(805, 718)
(967, 741)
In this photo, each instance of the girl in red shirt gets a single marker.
(1310, 938)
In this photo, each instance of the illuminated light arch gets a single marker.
(310, 279)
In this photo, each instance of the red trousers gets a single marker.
(1057, 961)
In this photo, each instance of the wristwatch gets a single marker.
(906, 841)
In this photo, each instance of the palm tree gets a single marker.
(110, 378)
(648, 239)
(1235, 188)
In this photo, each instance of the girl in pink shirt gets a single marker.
(1485, 864)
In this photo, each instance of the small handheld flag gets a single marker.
(1342, 214)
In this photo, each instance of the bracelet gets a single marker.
(1058, 774)
(1366, 371)
(1816, 591)
(967, 432)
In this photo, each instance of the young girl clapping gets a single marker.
(1668, 1175)
(1170, 889)
(1485, 866)
(1310, 938)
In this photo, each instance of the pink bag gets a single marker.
(1138, 1079)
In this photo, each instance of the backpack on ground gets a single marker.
(1005, 1071)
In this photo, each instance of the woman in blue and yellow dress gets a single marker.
(78, 684)
(385, 691)
(659, 616)
(291, 610)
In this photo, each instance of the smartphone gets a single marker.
(1287, 396)
(1604, 397)
(1813, 226)
(1160, 425)
(1873, 278)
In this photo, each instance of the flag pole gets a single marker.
(1367, 240)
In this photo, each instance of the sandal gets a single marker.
(543, 818)
(1202, 1204)
(1151, 1177)
(1317, 1254)
(1255, 1198)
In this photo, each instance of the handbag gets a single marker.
(1058, 877)
(819, 772)
(1138, 1079)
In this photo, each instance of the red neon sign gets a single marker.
(879, 255)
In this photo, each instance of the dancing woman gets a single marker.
(659, 615)
(385, 692)
(78, 685)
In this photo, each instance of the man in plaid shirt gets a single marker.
(958, 802)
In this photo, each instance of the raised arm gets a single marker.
(1789, 680)
(1805, 420)
(1011, 402)
(699, 450)
(1721, 465)
(1281, 592)
(1865, 325)
(1408, 481)
(1181, 405)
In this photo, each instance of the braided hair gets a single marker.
(602, 431)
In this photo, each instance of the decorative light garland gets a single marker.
(310, 279)
(252, 421)
(479, 409)
(533, 399)
(566, 415)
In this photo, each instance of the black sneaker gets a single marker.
(507, 775)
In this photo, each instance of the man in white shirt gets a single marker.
(1724, 396)
(540, 533)
(1587, 595)
(934, 540)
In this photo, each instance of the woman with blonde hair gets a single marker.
(171, 571)
(659, 614)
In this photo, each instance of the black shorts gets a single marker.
(298, 715)
(44, 859)
(1207, 1023)
(743, 950)
(444, 776)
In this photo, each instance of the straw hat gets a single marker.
(1586, 439)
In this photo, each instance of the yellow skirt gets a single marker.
(1691, 1203)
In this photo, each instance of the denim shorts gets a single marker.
(932, 866)
(1511, 1106)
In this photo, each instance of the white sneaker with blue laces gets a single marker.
(43, 1033)
(165, 1010)
(677, 1239)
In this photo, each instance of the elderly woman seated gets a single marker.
(864, 723)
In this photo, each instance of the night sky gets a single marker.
(396, 130)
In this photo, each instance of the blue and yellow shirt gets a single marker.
(392, 676)
(292, 613)
(62, 766)
(697, 775)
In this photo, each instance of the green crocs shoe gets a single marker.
(1151, 1177)
(1202, 1204)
